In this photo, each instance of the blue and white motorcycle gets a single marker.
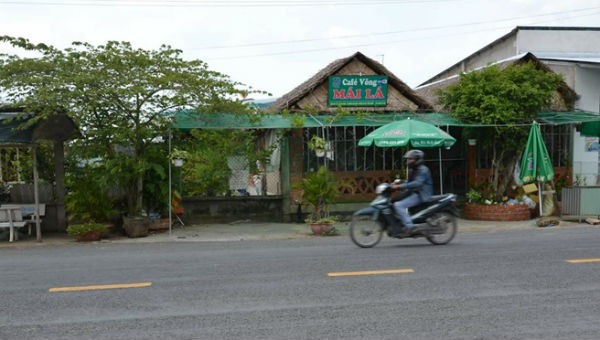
(434, 220)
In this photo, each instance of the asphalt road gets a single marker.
(509, 284)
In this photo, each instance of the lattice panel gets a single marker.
(362, 184)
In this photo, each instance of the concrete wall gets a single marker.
(230, 209)
(587, 85)
(557, 41)
(568, 71)
(586, 165)
(200, 210)
(502, 50)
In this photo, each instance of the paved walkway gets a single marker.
(249, 230)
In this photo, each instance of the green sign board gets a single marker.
(357, 91)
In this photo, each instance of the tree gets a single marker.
(507, 100)
(207, 155)
(119, 95)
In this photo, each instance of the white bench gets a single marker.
(11, 217)
(27, 212)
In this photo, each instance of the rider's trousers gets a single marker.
(403, 205)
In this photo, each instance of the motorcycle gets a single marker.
(434, 220)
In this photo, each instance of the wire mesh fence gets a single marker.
(264, 181)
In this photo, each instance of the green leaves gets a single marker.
(495, 96)
(119, 95)
(507, 98)
(320, 189)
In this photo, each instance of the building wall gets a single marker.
(566, 69)
(585, 80)
(588, 87)
(586, 163)
(502, 50)
(557, 41)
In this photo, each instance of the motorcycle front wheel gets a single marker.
(365, 232)
(445, 225)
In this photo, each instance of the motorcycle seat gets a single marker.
(432, 200)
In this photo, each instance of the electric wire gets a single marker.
(354, 46)
(368, 35)
(225, 4)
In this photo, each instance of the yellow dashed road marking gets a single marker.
(100, 287)
(372, 272)
(583, 260)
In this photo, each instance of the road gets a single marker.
(509, 284)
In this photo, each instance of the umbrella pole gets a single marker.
(540, 198)
(170, 189)
(440, 161)
(36, 195)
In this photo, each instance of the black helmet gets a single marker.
(417, 155)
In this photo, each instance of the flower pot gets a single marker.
(320, 228)
(158, 225)
(517, 212)
(88, 237)
(109, 229)
(135, 226)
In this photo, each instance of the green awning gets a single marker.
(187, 120)
(590, 129)
(573, 117)
(9, 128)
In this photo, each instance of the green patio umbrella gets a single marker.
(536, 165)
(410, 131)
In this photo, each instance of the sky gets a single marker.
(275, 45)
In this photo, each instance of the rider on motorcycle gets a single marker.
(419, 186)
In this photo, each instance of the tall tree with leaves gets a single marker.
(118, 94)
(508, 100)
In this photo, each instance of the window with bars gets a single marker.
(556, 137)
(345, 155)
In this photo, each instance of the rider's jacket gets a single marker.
(420, 182)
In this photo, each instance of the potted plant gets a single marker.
(481, 205)
(136, 226)
(318, 145)
(319, 189)
(86, 232)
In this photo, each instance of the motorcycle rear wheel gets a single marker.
(365, 232)
(446, 223)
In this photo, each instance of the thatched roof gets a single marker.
(289, 100)
(430, 91)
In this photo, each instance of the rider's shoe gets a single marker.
(411, 231)
(394, 232)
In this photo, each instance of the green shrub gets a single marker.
(84, 228)
(320, 189)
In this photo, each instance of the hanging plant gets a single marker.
(318, 145)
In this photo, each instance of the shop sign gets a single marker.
(357, 91)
